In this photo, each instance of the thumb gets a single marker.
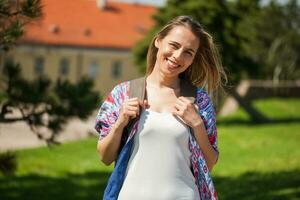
(146, 104)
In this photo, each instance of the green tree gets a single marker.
(276, 44)
(13, 16)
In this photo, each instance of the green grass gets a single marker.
(77, 157)
(260, 161)
(69, 171)
(256, 161)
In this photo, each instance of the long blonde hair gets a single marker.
(206, 69)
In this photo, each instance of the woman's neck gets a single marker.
(161, 81)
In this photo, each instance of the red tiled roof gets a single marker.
(82, 23)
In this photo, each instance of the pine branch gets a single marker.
(8, 14)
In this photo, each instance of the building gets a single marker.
(77, 38)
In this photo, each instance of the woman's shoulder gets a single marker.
(121, 88)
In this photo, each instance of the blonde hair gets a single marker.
(206, 69)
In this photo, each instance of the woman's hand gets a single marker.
(130, 110)
(188, 112)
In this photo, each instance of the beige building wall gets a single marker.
(97, 64)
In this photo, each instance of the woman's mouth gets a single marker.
(172, 64)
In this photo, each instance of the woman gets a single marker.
(174, 140)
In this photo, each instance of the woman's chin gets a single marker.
(170, 72)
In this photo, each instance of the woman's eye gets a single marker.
(173, 45)
(189, 53)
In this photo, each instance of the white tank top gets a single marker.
(159, 167)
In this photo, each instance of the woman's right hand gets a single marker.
(130, 110)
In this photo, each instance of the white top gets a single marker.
(159, 167)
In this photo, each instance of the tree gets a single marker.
(42, 104)
(13, 16)
(276, 44)
(39, 103)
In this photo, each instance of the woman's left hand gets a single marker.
(187, 111)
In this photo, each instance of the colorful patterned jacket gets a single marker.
(108, 114)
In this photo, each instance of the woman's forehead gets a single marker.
(183, 36)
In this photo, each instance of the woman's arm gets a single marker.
(108, 146)
(210, 154)
(206, 137)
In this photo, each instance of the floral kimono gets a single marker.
(107, 116)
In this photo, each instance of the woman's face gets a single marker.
(176, 51)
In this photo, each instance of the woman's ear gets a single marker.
(156, 42)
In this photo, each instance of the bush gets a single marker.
(8, 163)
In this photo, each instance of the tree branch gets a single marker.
(8, 14)
(24, 117)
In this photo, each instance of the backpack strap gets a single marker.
(137, 88)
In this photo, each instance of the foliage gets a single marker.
(276, 42)
(8, 163)
(13, 16)
(43, 105)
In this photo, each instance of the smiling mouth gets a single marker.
(172, 63)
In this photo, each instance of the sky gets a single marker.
(150, 2)
(162, 2)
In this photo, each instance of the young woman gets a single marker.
(174, 139)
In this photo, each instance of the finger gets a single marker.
(186, 100)
(145, 104)
(133, 99)
(186, 103)
(174, 111)
(178, 106)
(180, 102)
(133, 103)
(133, 108)
(178, 109)
(196, 106)
(132, 114)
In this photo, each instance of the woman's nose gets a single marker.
(177, 54)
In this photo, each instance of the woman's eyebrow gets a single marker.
(189, 49)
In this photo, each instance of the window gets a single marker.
(39, 65)
(116, 69)
(93, 69)
(64, 66)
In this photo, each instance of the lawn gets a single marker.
(257, 161)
